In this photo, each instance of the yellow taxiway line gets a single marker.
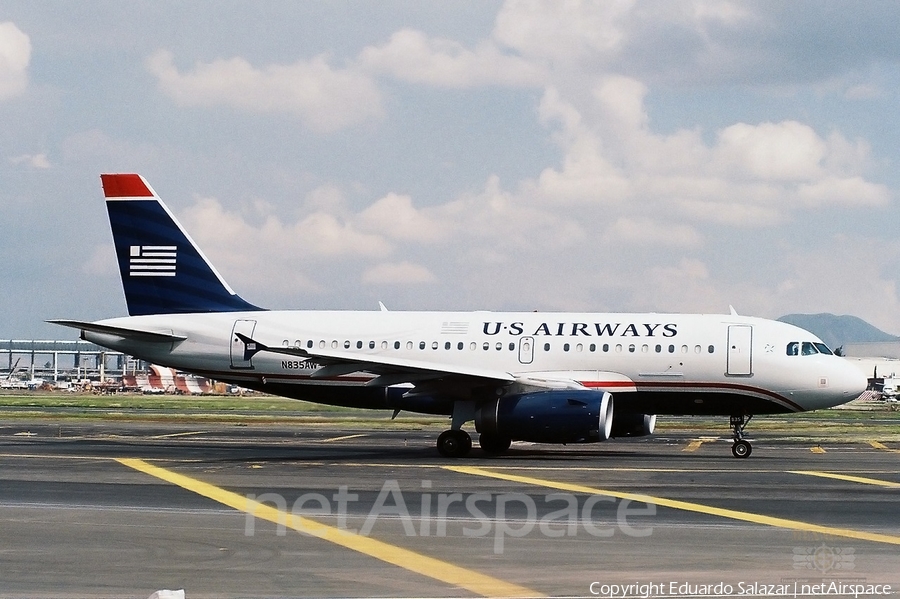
(683, 505)
(883, 447)
(430, 567)
(848, 478)
(345, 437)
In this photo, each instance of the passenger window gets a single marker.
(460, 345)
(346, 344)
(546, 347)
(334, 344)
(421, 345)
(793, 348)
(499, 345)
(487, 346)
(659, 349)
(618, 348)
(512, 347)
(359, 345)
(645, 348)
(384, 345)
(371, 345)
(447, 345)
(605, 347)
(409, 345)
(671, 349)
(579, 347)
(434, 345)
(309, 344)
(565, 347)
(712, 349)
(473, 346)
(593, 347)
(396, 345)
(631, 348)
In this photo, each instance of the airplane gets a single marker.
(542, 377)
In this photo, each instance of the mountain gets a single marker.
(835, 331)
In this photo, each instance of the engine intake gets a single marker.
(553, 416)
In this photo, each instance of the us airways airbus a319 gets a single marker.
(526, 376)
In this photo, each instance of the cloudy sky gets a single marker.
(617, 156)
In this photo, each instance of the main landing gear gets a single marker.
(454, 443)
(741, 447)
(458, 443)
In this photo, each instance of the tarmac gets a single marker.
(122, 509)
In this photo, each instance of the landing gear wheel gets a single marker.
(493, 444)
(454, 443)
(741, 449)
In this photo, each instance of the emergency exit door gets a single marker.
(740, 343)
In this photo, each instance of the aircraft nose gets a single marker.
(852, 382)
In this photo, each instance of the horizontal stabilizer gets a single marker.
(135, 334)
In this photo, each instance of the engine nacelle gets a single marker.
(554, 416)
(633, 425)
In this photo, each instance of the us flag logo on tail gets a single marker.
(152, 260)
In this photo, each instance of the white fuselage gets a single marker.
(666, 363)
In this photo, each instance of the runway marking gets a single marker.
(847, 477)
(343, 438)
(817, 449)
(685, 505)
(185, 434)
(883, 447)
(693, 446)
(696, 443)
(404, 558)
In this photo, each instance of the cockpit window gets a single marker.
(793, 348)
(824, 349)
(808, 349)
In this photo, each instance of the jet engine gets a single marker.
(633, 425)
(553, 416)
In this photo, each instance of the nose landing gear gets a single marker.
(741, 447)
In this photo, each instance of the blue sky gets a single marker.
(612, 156)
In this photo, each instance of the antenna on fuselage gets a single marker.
(733, 311)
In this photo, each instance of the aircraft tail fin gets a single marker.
(163, 271)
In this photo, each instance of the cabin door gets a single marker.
(740, 342)
(239, 355)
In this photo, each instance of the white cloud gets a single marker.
(325, 99)
(395, 216)
(563, 31)
(15, 54)
(787, 151)
(642, 232)
(411, 56)
(32, 160)
(397, 273)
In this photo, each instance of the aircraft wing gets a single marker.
(388, 370)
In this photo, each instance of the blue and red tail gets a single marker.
(163, 271)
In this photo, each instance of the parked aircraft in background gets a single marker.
(531, 376)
